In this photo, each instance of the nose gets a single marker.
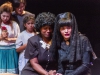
(48, 30)
(66, 30)
(19, 9)
(32, 25)
(5, 18)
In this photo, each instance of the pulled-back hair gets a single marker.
(28, 18)
(44, 18)
(6, 7)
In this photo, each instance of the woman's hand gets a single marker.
(58, 74)
(12, 40)
(52, 72)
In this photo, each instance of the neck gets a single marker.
(46, 40)
(67, 41)
(29, 31)
(21, 13)
(8, 22)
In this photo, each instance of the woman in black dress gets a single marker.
(39, 48)
(74, 49)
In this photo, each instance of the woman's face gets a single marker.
(29, 26)
(5, 17)
(20, 9)
(46, 31)
(66, 32)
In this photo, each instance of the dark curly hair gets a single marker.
(44, 18)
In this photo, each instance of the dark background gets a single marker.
(87, 13)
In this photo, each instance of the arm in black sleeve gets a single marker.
(60, 67)
(86, 57)
(31, 50)
(85, 65)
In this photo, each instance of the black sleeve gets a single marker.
(60, 67)
(31, 50)
(86, 58)
(85, 65)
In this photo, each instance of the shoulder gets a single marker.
(14, 23)
(82, 37)
(13, 13)
(23, 33)
(34, 39)
(29, 13)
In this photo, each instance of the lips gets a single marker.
(49, 34)
(66, 34)
(5, 21)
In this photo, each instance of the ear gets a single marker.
(24, 25)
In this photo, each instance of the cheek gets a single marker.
(26, 25)
(43, 32)
(32, 25)
(62, 33)
(50, 31)
(17, 9)
(70, 31)
(8, 18)
(3, 34)
(1, 17)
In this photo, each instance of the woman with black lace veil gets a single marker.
(39, 48)
(74, 49)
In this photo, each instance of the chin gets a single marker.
(19, 13)
(4, 21)
(67, 37)
(47, 36)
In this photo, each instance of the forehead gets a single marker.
(21, 4)
(30, 20)
(65, 25)
(46, 26)
(5, 13)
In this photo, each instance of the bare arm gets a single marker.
(21, 48)
(12, 40)
(38, 67)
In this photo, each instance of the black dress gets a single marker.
(79, 67)
(45, 58)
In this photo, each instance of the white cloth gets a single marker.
(22, 39)
(5, 43)
(12, 33)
